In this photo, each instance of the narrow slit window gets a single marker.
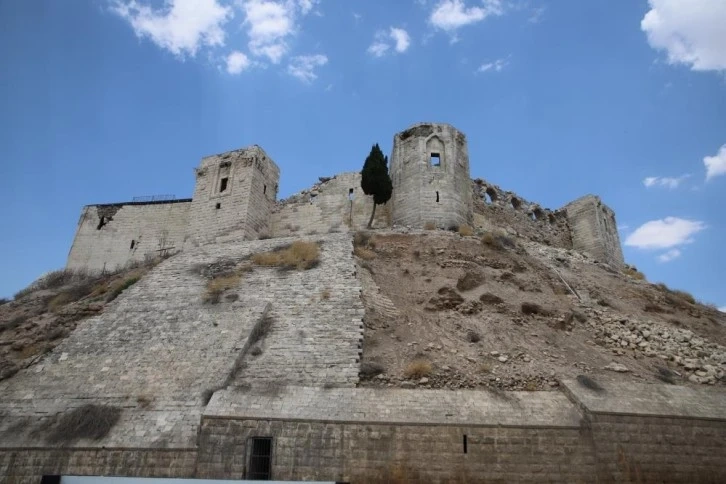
(437, 197)
(260, 463)
(435, 159)
(465, 446)
(133, 244)
(223, 184)
(101, 223)
(264, 189)
(218, 206)
(351, 194)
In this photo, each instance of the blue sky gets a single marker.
(104, 100)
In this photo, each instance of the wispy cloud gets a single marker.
(668, 233)
(303, 66)
(237, 62)
(722, 309)
(451, 15)
(667, 182)
(395, 38)
(716, 165)
(495, 66)
(690, 32)
(181, 26)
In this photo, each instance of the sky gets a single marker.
(106, 100)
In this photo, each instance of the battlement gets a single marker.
(235, 197)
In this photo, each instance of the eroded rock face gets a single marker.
(447, 298)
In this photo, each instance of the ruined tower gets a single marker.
(430, 174)
(594, 230)
(234, 193)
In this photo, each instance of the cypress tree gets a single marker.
(375, 180)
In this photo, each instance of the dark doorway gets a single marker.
(260, 465)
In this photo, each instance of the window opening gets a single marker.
(465, 446)
(351, 194)
(437, 197)
(264, 189)
(312, 197)
(223, 184)
(133, 243)
(101, 223)
(218, 206)
(435, 159)
(515, 203)
(260, 459)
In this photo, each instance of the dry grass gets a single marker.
(530, 386)
(632, 271)
(429, 226)
(466, 230)
(120, 286)
(361, 239)
(300, 255)
(485, 367)
(418, 369)
(217, 286)
(87, 422)
(496, 241)
(144, 401)
(363, 253)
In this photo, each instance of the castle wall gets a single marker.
(496, 208)
(594, 229)
(430, 174)
(234, 191)
(112, 235)
(328, 206)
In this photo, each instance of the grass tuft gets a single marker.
(418, 369)
(217, 286)
(363, 253)
(429, 226)
(300, 255)
(466, 230)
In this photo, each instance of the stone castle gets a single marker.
(268, 383)
(235, 197)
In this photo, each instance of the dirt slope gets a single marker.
(446, 311)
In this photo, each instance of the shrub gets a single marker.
(429, 226)
(13, 323)
(653, 308)
(361, 238)
(488, 298)
(589, 383)
(363, 253)
(121, 286)
(144, 401)
(496, 241)
(217, 286)
(532, 308)
(369, 369)
(666, 375)
(418, 369)
(473, 336)
(485, 367)
(465, 230)
(4, 300)
(531, 386)
(300, 255)
(632, 271)
(469, 281)
(87, 422)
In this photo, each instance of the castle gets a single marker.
(235, 196)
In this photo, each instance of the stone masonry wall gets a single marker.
(594, 229)
(328, 206)
(234, 192)
(424, 192)
(112, 235)
(496, 208)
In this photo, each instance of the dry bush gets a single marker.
(363, 253)
(90, 421)
(217, 286)
(4, 300)
(429, 226)
(496, 241)
(680, 297)
(369, 369)
(532, 308)
(300, 255)
(472, 336)
(589, 383)
(488, 298)
(531, 386)
(13, 323)
(144, 401)
(53, 280)
(666, 375)
(361, 238)
(418, 369)
(120, 286)
(653, 308)
(466, 230)
(469, 281)
(485, 367)
(632, 271)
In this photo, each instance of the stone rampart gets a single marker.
(594, 229)
(109, 236)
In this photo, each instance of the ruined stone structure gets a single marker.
(194, 398)
(235, 198)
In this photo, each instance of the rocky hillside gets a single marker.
(445, 310)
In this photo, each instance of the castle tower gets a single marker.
(234, 192)
(594, 230)
(430, 174)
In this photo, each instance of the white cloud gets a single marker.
(237, 62)
(665, 233)
(716, 165)
(450, 15)
(303, 67)
(670, 255)
(722, 309)
(395, 38)
(495, 66)
(180, 26)
(623, 227)
(690, 31)
(668, 182)
(268, 24)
